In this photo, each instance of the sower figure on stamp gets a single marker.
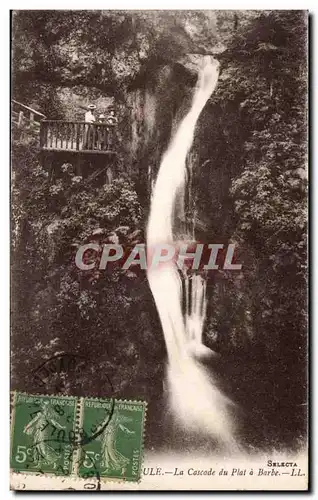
(40, 428)
(112, 458)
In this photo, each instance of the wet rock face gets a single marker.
(173, 46)
(155, 111)
(177, 33)
(160, 100)
(187, 32)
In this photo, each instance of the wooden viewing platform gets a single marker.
(77, 137)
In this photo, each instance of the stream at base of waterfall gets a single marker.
(197, 404)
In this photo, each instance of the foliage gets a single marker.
(259, 201)
(82, 311)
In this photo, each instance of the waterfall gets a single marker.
(195, 400)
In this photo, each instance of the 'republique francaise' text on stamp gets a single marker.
(82, 437)
(43, 432)
(116, 451)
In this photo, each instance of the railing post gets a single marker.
(66, 129)
(77, 133)
(71, 135)
(42, 127)
(56, 127)
(20, 119)
(105, 144)
(90, 137)
(51, 134)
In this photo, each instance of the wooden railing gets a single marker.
(60, 135)
(26, 119)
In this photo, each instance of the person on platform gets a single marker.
(112, 121)
(89, 115)
(88, 131)
(111, 118)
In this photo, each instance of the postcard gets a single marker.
(159, 335)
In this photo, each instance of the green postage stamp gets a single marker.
(81, 437)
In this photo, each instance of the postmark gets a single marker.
(69, 373)
(68, 436)
(57, 372)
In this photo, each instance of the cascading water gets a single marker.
(198, 405)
